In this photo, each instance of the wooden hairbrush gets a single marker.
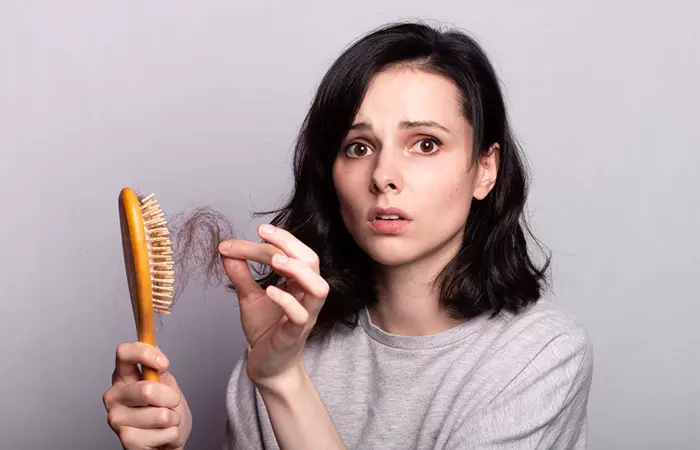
(148, 259)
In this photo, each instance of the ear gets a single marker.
(487, 171)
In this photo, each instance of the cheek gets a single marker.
(449, 198)
(348, 188)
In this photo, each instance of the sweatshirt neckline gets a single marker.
(423, 342)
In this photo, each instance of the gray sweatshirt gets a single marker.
(513, 382)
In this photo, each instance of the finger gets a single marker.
(296, 313)
(253, 251)
(311, 282)
(130, 354)
(147, 417)
(289, 334)
(241, 278)
(289, 244)
(148, 393)
(135, 438)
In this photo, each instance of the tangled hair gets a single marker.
(493, 271)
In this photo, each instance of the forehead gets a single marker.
(409, 93)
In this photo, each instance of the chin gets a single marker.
(392, 254)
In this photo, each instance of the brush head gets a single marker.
(160, 254)
(148, 259)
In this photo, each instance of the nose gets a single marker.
(386, 176)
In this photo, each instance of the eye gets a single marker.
(358, 150)
(426, 146)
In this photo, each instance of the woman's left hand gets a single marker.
(276, 322)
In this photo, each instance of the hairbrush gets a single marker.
(148, 259)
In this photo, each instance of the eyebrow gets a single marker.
(406, 125)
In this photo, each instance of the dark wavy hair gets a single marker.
(493, 271)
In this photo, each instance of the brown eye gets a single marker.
(426, 146)
(358, 150)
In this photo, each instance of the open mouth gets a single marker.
(388, 224)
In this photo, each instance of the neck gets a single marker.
(409, 298)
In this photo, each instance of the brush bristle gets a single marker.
(160, 254)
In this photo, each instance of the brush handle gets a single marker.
(138, 270)
(147, 336)
(150, 375)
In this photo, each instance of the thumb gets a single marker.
(239, 273)
(164, 375)
(168, 379)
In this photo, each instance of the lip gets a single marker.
(379, 211)
(388, 227)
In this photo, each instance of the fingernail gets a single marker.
(162, 361)
(266, 229)
(224, 245)
(280, 259)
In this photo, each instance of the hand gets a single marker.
(144, 414)
(276, 321)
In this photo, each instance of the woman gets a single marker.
(402, 309)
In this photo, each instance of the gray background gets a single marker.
(188, 98)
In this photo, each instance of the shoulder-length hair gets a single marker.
(493, 270)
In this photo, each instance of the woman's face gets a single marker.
(405, 176)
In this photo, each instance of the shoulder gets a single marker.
(537, 365)
(547, 320)
(547, 334)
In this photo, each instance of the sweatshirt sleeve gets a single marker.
(243, 428)
(542, 406)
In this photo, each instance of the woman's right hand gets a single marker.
(144, 414)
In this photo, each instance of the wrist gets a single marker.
(285, 383)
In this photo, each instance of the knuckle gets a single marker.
(323, 289)
(147, 391)
(163, 417)
(122, 350)
(108, 398)
(314, 260)
(113, 420)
